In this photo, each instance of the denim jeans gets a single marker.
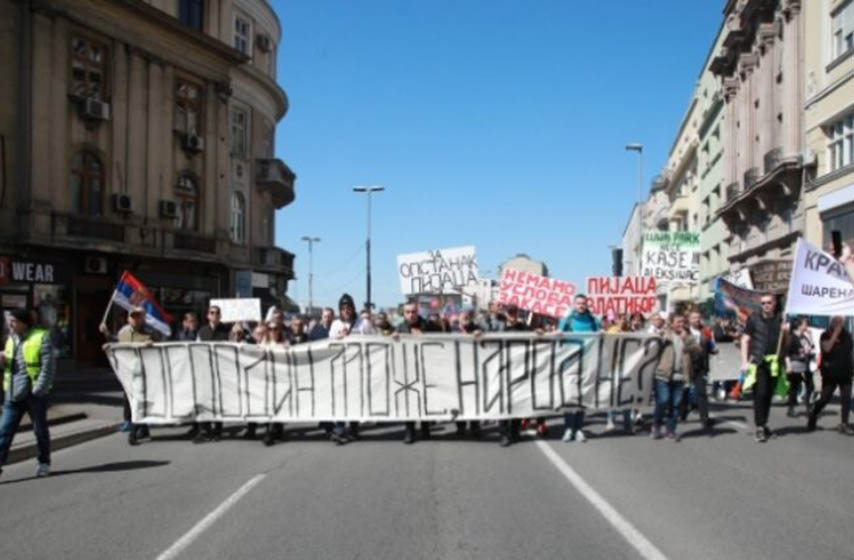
(668, 395)
(611, 415)
(36, 407)
(573, 420)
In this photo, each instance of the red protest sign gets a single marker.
(535, 293)
(625, 294)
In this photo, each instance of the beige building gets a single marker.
(829, 120)
(761, 65)
(138, 135)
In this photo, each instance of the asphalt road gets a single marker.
(708, 496)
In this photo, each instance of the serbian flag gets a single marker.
(130, 293)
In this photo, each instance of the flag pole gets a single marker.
(112, 298)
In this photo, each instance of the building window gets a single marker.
(192, 12)
(187, 195)
(238, 218)
(88, 68)
(238, 132)
(188, 108)
(87, 183)
(843, 30)
(840, 146)
(242, 34)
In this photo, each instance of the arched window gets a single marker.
(187, 195)
(87, 183)
(238, 218)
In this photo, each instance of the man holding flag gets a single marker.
(146, 322)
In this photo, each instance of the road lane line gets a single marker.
(634, 537)
(211, 518)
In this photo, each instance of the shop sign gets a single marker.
(20, 271)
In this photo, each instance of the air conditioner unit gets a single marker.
(95, 265)
(121, 203)
(263, 43)
(168, 209)
(193, 143)
(95, 109)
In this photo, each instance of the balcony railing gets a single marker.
(274, 257)
(732, 191)
(751, 176)
(188, 242)
(772, 159)
(92, 227)
(275, 176)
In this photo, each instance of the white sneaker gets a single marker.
(567, 435)
(609, 426)
(580, 437)
(43, 470)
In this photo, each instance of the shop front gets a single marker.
(42, 285)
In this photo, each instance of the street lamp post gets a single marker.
(636, 147)
(368, 191)
(311, 241)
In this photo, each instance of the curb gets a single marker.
(16, 455)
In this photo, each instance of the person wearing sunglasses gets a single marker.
(213, 331)
(760, 348)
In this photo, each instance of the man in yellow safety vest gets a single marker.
(27, 379)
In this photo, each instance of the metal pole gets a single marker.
(368, 255)
(311, 241)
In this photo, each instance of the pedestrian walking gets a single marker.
(836, 371)
(673, 370)
(214, 330)
(413, 323)
(136, 331)
(760, 349)
(28, 371)
(798, 365)
(696, 390)
(344, 325)
(580, 320)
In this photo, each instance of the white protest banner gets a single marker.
(672, 255)
(819, 285)
(623, 294)
(238, 309)
(535, 293)
(444, 271)
(375, 378)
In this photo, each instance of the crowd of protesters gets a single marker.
(769, 349)
(773, 351)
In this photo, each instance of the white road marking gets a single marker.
(211, 518)
(634, 537)
(735, 423)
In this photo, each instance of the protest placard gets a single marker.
(443, 271)
(672, 256)
(535, 293)
(238, 309)
(374, 378)
(819, 285)
(621, 294)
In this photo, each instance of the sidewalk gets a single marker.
(73, 419)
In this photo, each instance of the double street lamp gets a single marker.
(311, 241)
(368, 191)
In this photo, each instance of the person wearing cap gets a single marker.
(28, 371)
(579, 320)
(136, 331)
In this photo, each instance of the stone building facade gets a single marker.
(139, 135)
(761, 68)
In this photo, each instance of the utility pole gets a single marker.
(368, 191)
(311, 241)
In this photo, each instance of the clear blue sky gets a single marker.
(500, 124)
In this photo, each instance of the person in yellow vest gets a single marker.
(27, 379)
